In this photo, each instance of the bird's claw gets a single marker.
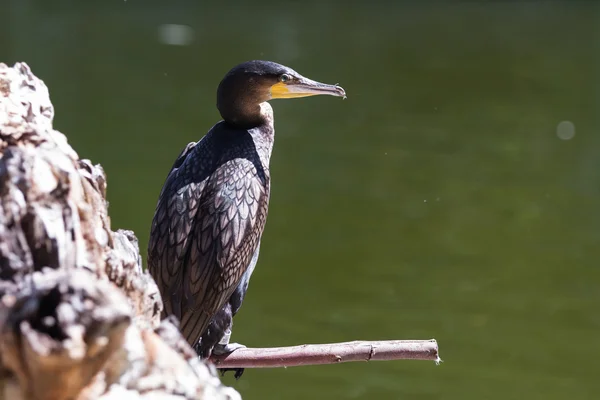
(238, 372)
(220, 349)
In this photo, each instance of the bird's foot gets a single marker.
(222, 349)
(238, 372)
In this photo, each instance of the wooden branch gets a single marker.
(314, 354)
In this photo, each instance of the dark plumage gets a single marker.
(211, 212)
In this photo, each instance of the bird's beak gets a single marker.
(303, 87)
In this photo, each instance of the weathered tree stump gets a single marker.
(79, 318)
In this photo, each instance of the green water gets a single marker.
(437, 201)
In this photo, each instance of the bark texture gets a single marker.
(79, 318)
(330, 353)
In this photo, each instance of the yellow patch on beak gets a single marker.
(280, 90)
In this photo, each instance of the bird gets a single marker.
(211, 212)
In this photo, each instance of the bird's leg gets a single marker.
(218, 325)
(224, 347)
(235, 303)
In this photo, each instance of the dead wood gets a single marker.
(330, 353)
(79, 319)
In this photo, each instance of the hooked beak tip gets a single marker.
(341, 92)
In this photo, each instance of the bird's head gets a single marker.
(249, 84)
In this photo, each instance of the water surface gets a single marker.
(437, 201)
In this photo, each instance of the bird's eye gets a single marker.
(285, 78)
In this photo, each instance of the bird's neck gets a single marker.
(264, 135)
(248, 115)
(266, 114)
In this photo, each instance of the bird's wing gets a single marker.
(203, 236)
(171, 225)
(226, 233)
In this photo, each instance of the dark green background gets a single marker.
(437, 201)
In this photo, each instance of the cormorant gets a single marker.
(211, 212)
